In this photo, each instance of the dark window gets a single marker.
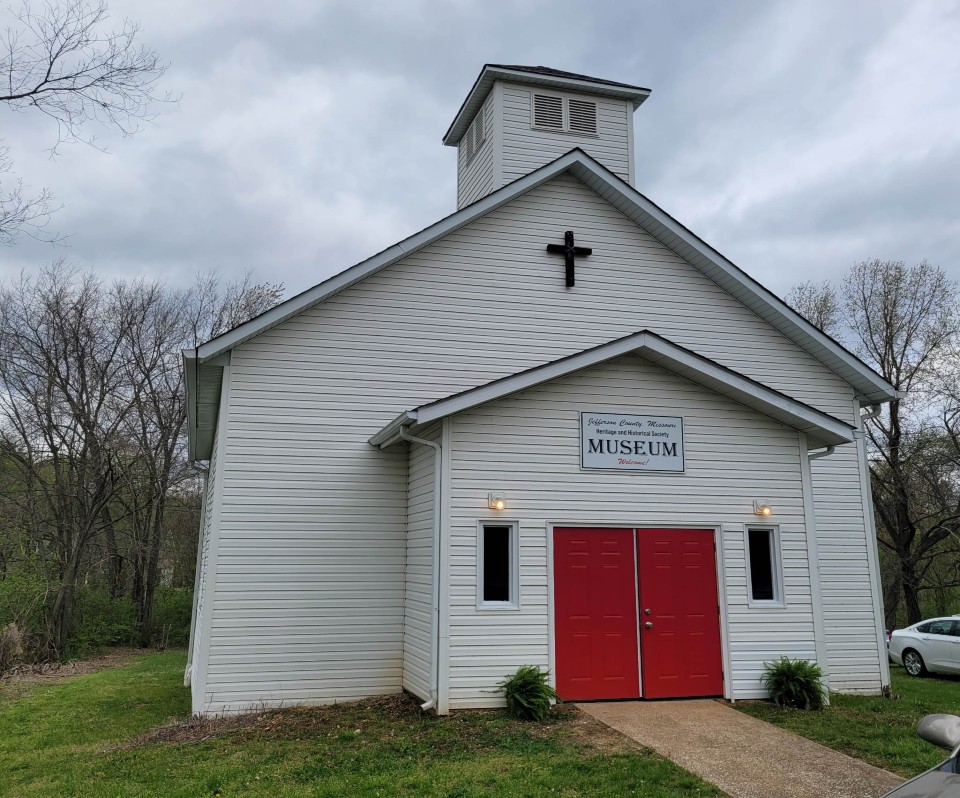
(924, 627)
(761, 564)
(496, 563)
(938, 628)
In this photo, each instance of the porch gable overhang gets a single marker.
(820, 428)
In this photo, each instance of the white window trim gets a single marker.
(564, 113)
(514, 603)
(776, 566)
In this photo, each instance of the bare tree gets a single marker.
(65, 63)
(818, 303)
(904, 321)
(167, 321)
(61, 410)
(92, 416)
(21, 212)
(170, 321)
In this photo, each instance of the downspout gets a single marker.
(204, 471)
(872, 413)
(435, 588)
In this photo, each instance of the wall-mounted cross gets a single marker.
(569, 252)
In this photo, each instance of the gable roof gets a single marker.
(820, 428)
(539, 76)
(869, 385)
(559, 73)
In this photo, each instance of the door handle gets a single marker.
(649, 625)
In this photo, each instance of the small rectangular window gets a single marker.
(497, 554)
(763, 565)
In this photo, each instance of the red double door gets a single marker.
(636, 601)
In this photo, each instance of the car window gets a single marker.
(937, 628)
(955, 629)
(923, 627)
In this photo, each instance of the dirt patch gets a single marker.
(385, 717)
(290, 723)
(54, 671)
(589, 732)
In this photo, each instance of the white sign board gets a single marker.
(631, 443)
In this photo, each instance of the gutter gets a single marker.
(403, 433)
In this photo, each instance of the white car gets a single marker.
(927, 647)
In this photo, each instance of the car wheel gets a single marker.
(913, 663)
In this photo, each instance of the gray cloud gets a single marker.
(796, 138)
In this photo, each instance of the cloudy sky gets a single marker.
(796, 137)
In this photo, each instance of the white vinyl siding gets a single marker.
(200, 641)
(848, 607)
(419, 631)
(475, 164)
(529, 445)
(526, 147)
(310, 597)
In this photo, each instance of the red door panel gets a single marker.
(595, 612)
(678, 585)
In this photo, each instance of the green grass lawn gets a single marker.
(97, 736)
(881, 731)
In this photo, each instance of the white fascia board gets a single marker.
(821, 429)
(735, 281)
(190, 393)
(382, 260)
(529, 379)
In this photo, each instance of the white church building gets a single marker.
(555, 428)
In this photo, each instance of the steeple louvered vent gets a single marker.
(548, 111)
(583, 116)
(474, 138)
(478, 131)
(568, 114)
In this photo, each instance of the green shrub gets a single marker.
(100, 621)
(172, 608)
(528, 693)
(794, 683)
(24, 603)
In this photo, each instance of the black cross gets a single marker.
(569, 252)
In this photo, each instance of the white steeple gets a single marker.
(518, 118)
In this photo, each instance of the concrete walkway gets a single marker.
(745, 757)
